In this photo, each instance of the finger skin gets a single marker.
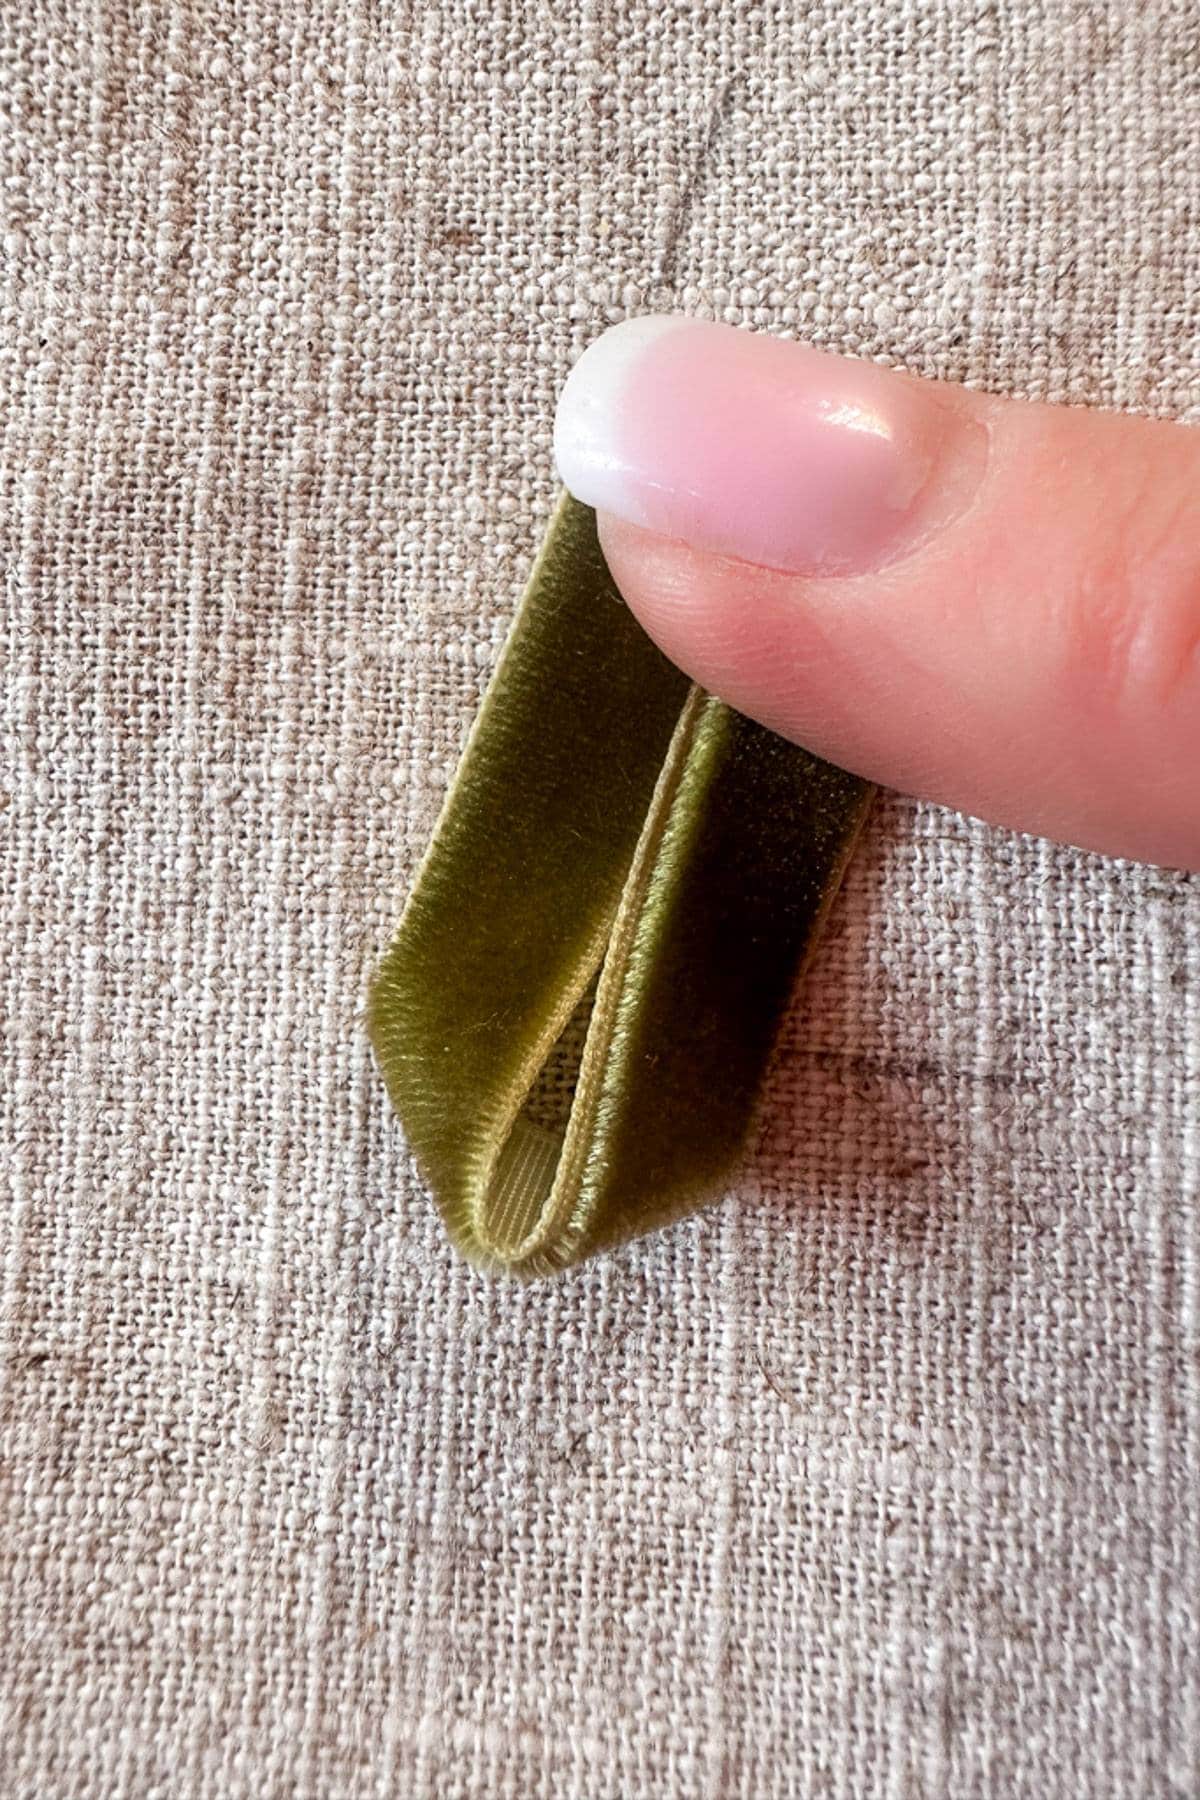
(1035, 662)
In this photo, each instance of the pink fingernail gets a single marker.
(757, 448)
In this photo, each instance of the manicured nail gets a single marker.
(757, 448)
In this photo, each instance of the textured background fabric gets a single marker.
(878, 1479)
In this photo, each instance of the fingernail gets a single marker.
(753, 447)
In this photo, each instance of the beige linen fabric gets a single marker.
(880, 1479)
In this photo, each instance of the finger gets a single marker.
(990, 603)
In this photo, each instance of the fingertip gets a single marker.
(1012, 630)
(746, 634)
(909, 680)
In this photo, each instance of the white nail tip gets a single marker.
(586, 448)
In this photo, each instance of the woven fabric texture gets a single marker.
(880, 1478)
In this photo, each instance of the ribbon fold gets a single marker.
(611, 826)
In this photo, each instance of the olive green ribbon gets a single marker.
(611, 827)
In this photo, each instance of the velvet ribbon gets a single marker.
(613, 827)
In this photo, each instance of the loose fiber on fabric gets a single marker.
(880, 1478)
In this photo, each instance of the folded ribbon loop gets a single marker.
(611, 827)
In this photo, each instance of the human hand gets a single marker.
(988, 602)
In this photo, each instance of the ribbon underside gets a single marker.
(607, 817)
